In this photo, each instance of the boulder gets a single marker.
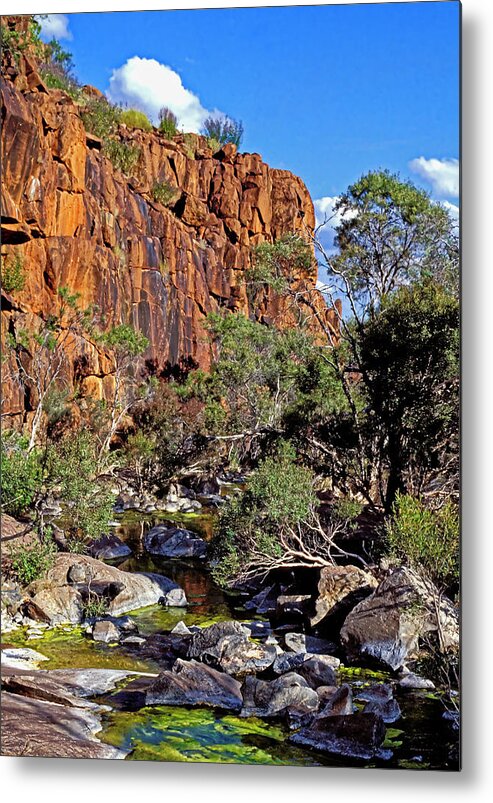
(288, 661)
(335, 700)
(109, 547)
(105, 631)
(293, 606)
(56, 601)
(340, 588)
(226, 645)
(299, 642)
(355, 736)
(415, 682)
(289, 695)
(386, 627)
(379, 700)
(317, 673)
(174, 542)
(21, 658)
(194, 683)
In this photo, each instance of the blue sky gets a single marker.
(328, 92)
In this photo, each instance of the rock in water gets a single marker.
(386, 626)
(194, 683)
(227, 646)
(55, 601)
(353, 736)
(105, 631)
(109, 547)
(289, 695)
(340, 588)
(174, 542)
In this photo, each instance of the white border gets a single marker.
(126, 782)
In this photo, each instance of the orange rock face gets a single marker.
(78, 222)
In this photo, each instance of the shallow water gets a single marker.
(421, 739)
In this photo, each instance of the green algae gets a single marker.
(362, 673)
(70, 648)
(165, 733)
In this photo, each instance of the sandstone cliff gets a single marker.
(77, 222)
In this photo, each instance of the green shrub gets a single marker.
(71, 470)
(189, 142)
(29, 563)
(21, 474)
(426, 540)
(101, 117)
(17, 42)
(95, 606)
(279, 494)
(224, 130)
(163, 192)
(213, 144)
(122, 156)
(13, 274)
(136, 119)
(168, 123)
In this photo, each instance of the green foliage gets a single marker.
(71, 469)
(409, 356)
(189, 141)
(133, 118)
(163, 192)
(427, 540)
(101, 117)
(94, 607)
(13, 274)
(57, 70)
(17, 43)
(279, 264)
(124, 339)
(213, 144)
(279, 494)
(31, 562)
(224, 130)
(21, 473)
(122, 156)
(168, 123)
(390, 233)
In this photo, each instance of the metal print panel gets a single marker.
(230, 386)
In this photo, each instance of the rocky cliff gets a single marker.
(76, 221)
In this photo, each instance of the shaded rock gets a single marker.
(109, 547)
(57, 602)
(299, 642)
(377, 693)
(293, 606)
(412, 681)
(289, 695)
(174, 542)
(105, 631)
(386, 626)
(317, 673)
(340, 588)
(194, 683)
(33, 727)
(356, 736)
(226, 645)
(133, 641)
(389, 710)
(265, 602)
(288, 662)
(336, 700)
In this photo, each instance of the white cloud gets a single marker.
(148, 85)
(327, 217)
(442, 174)
(452, 209)
(54, 26)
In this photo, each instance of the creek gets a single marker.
(421, 739)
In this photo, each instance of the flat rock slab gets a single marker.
(21, 658)
(33, 727)
(356, 736)
(193, 683)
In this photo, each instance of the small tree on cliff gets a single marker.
(39, 358)
(125, 344)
